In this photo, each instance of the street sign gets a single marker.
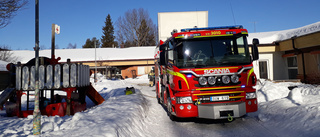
(57, 29)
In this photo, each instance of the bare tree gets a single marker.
(70, 46)
(8, 8)
(43, 47)
(135, 28)
(7, 55)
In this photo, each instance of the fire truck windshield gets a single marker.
(211, 52)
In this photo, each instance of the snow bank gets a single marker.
(115, 117)
(269, 91)
(296, 110)
(119, 115)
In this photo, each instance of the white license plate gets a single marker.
(219, 98)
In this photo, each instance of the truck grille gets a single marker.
(207, 97)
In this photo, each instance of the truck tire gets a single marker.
(169, 110)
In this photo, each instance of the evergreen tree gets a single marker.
(107, 38)
(90, 43)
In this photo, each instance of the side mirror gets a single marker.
(254, 49)
(162, 58)
(255, 41)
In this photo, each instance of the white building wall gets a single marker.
(167, 21)
(276, 65)
(264, 57)
(280, 68)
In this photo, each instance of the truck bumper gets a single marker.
(216, 111)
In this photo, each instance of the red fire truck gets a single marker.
(207, 73)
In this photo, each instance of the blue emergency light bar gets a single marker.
(213, 28)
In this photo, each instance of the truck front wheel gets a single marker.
(170, 110)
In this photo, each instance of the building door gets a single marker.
(263, 69)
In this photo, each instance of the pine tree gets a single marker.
(90, 43)
(107, 38)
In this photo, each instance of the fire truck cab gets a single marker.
(207, 73)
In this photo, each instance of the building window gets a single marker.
(292, 67)
(263, 69)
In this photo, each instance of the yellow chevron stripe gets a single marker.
(249, 75)
(217, 68)
(236, 97)
(178, 75)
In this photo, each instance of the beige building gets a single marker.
(124, 62)
(289, 54)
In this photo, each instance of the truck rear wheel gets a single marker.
(158, 99)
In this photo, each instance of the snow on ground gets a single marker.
(282, 112)
(296, 110)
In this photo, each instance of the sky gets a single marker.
(83, 19)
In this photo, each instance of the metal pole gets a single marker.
(36, 112)
(95, 61)
(53, 40)
(53, 34)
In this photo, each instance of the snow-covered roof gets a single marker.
(136, 53)
(88, 54)
(273, 36)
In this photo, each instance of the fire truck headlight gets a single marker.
(225, 79)
(184, 100)
(211, 80)
(234, 79)
(203, 81)
(251, 95)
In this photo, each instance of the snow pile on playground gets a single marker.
(295, 111)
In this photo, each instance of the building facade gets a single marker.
(289, 54)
